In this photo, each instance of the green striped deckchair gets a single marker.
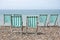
(31, 23)
(43, 19)
(52, 20)
(7, 20)
(16, 22)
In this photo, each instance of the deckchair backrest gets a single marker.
(16, 20)
(42, 18)
(53, 18)
(32, 21)
(7, 18)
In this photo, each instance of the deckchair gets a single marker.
(42, 19)
(31, 24)
(41, 22)
(16, 23)
(52, 20)
(7, 22)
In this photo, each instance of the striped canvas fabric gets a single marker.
(42, 18)
(53, 18)
(7, 19)
(32, 21)
(16, 21)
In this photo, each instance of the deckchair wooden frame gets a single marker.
(4, 20)
(17, 15)
(55, 20)
(39, 22)
(27, 23)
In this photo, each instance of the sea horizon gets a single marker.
(30, 11)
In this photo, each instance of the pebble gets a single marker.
(52, 33)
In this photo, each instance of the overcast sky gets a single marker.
(29, 4)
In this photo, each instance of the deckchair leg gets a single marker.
(10, 29)
(26, 30)
(22, 31)
(37, 29)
